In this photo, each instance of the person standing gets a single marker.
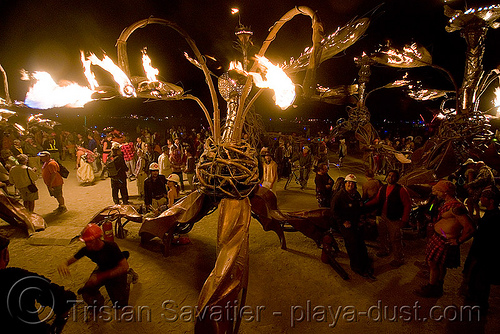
(164, 161)
(479, 177)
(92, 143)
(393, 205)
(342, 151)
(140, 172)
(480, 269)
(324, 184)
(453, 227)
(21, 176)
(269, 172)
(190, 167)
(177, 161)
(31, 149)
(305, 163)
(52, 146)
(53, 180)
(117, 171)
(279, 155)
(346, 212)
(106, 151)
(128, 152)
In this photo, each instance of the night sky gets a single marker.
(48, 36)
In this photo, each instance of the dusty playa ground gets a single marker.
(289, 291)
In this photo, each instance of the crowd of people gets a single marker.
(160, 164)
(103, 154)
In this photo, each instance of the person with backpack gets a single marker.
(53, 180)
(117, 171)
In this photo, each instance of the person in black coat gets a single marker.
(117, 171)
(481, 268)
(346, 211)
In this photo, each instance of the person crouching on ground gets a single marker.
(111, 271)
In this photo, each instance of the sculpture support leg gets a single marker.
(230, 274)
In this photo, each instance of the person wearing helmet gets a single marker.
(346, 212)
(174, 189)
(155, 188)
(111, 271)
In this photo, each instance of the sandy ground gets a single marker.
(289, 291)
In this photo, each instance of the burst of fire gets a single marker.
(88, 72)
(150, 71)
(46, 93)
(126, 88)
(273, 77)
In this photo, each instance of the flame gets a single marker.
(234, 11)
(126, 88)
(46, 93)
(275, 79)
(150, 71)
(88, 73)
(238, 67)
(496, 101)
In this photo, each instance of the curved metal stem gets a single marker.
(202, 106)
(316, 52)
(6, 86)
(123, 63)
(493, 76)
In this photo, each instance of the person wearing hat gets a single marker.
(346, 211)
(269, 171)
(164, 161)
(53, 180)
(393, 206)
(117, 171)
(111, 271)
(34, 290)
(155, 188)
(480, 268)
(452, 228)
(173, 189)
